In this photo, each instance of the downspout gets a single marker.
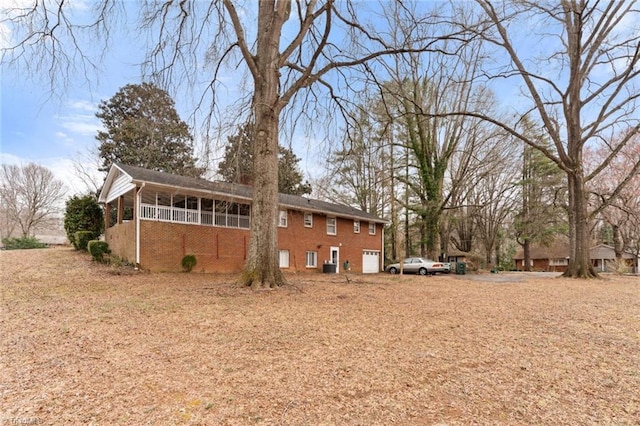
(381, 265)
(138, 210)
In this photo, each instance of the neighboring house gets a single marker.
(154, 219)
(556, 258)
(603, 258)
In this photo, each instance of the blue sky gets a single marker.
(55, 126)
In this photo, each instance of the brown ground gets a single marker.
(84, 345)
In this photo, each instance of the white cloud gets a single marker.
(83, 105)
(6, 158)
(79, 125)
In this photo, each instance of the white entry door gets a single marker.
(334, 255)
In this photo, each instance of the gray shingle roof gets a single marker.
(140, 174)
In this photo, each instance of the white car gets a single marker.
(419, 265)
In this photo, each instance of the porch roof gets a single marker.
(138, 176)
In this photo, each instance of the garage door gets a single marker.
(370, 262)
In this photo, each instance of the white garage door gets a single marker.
(370, 262)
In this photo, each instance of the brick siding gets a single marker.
(218, 249)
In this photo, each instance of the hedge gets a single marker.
(81, 239)
(98, 249)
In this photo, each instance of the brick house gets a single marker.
(556, 258)
(154, 219)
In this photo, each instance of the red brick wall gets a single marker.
(217, 249)
(164, 244)
(541, 265)
(298, 240)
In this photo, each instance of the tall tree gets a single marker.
(581, 77)
(358, 169)
(281, 68)
(543, 198)
(622, 216)
(30, 195)
(493, 195)
(422, 85)
(142, 128)
(288, 62)
(237, 164)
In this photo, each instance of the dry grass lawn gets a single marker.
(87, 344)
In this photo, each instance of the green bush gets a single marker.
(81, 239)
(98, 249)
(83, 213)
(22, 243)
(188, 262)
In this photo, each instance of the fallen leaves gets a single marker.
(83, 344)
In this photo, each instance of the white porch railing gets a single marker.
(197, 217)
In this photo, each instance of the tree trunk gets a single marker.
(432, 225)
(526, 248)
(262, 266)
(617, 242)
(579, 260)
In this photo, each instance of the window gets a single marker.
(308, 220)
(284, 258)
(559, 262)
(356, 226)
(282, 221)
(331, 226)
(312, 259)
(372, 228)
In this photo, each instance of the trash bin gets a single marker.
(329, 268)
(461, 268)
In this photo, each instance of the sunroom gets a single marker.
(183, 208)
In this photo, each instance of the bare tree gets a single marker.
(298, 52)
(421, 86)
(623, 214)
(31, 196)
(582, 82)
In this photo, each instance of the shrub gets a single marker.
(98, 249)
(22, 243)
(188, 262)
(83, 213)
(81, 239)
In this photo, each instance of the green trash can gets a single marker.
(461, 268)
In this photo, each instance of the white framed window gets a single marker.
(308, 220)
(332, 228)
(284, 258)
(356, 226)
(372, 228)
(559, 262)
(312, 259)
(282, 219)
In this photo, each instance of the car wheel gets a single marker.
(423, 271)
(393, 271)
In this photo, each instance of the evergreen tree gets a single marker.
(237, 165)
(83, 213)
(142, 128)
(541, 216)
